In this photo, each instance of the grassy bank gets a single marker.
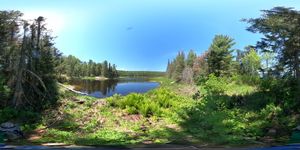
(225, 113)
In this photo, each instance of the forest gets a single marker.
(74, 67)
(223, 96)
(29, 60)
(141, 73)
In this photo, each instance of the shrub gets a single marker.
(24, 116)
(201, 79)
(8, 114)
(164, 97)
(131, 100)
(216, 85)
(4, 92)
(271, 111)
(131, 110)
(150, 108)
(60, 136)
(150, 104)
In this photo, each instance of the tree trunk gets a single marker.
(296, 67)
(297, 73)
(17, 98)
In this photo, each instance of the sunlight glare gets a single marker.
(55, 21)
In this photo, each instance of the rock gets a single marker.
(11, 131)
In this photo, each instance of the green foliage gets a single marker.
(132, 100)
(59, 136)
(216, 85)
(104, 137)
(101, 137)
(191, 58)
(4, 92)
(23, 116)
(234, 107)
(219, 55)
(282, 91)
(271, 111)
(69, 123)
(280, 27)
(148, 105)
(28, 61)
(179, 66)
(141, 73)
(229, 111)
(251, 63)
(247, 79)
(222, 126)
(185, 69)
(74, 67)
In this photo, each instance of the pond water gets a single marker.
(106, 88)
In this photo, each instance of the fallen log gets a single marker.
(72, 90)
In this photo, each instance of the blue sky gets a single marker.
(143, 34)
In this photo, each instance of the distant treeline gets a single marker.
(141, 73)
(74, 67)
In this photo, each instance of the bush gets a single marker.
(149, 108)
(282, 91)
(216, 85)
(201, 79)
(8, 114)
(150, 104)
(23, 116)
(246, 79)
(271, 111)
(163, 97)
(60, 136)
(4, 92)
(131, 100)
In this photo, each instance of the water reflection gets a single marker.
(107, 88)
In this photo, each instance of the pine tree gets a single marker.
(179, 66)
(191, 58)
(105, 69)
(280, 27)
(219, 55)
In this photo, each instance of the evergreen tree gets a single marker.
(114, 71)
(105, 69)
(191, 58)
(219, 55)
(27, 62)
(169, 69)
(280, 27)
(179, 66)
